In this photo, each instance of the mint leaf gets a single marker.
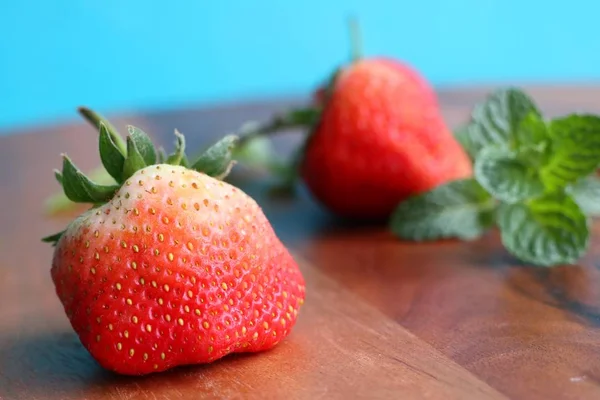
(586, 193)
(575, 151)
(498, 118)
(461, 134)
(532, 131)
(461, 209)
(507, 176)
(550, 230)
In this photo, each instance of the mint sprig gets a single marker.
(586, 193)
(575, 145)
(546, 231)
(507, 175)
(497, 120)
(533, 178)
(460, 209)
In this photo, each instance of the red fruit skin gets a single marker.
(318, 96)
(381, 139)
(178, 268)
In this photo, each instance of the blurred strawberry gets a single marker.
(380, 139)
(376, 137)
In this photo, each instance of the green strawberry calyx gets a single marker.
(122, 157)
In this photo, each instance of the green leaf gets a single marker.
(112, 158)
(95, 119)
(586, 193)
(575, 151)
(184, 161)
(302, 117)
(462, 136)
(497, 119)
(532, 131)
(143, 143)
(134, 161)
(59, 202)
(58, 176)
(81, 189)
(53, 238)
(550, 230)
(259, 153)
(177, 156)
(161, 155)
(217, 160)
(461, 209)
(507, 176)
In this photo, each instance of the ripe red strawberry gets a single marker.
(380, 139)
(176, 267)
(377, 136)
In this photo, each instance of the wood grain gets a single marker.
(383, 318)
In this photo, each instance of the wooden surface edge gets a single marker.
(386, 348)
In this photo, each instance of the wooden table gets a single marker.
(383, 318)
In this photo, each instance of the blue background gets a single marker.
(132, 54)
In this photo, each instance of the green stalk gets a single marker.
(356, 45)
(95, 119)
(300, 118)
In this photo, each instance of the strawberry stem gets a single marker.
(300, 118)
(356, 46)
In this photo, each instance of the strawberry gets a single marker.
(172, 266)
(379, 140)
(376, 137)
